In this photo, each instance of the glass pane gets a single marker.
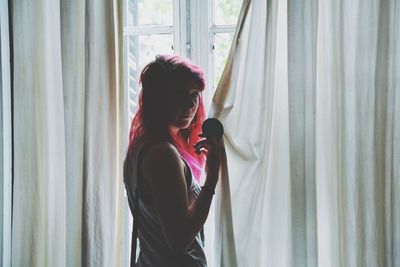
(222, 44)
(142, 49)
(226, 11)
(152, 45)
(149, 12)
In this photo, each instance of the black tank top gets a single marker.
(154, 250)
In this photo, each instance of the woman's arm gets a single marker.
(164, 169)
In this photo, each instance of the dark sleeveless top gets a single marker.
(154, 250)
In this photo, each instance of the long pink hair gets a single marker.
(157, 106)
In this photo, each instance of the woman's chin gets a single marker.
(183, 123)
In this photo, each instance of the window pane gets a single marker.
(141, 50)
(152, 45)
(226, 11)
(149, 12)
(222, 44)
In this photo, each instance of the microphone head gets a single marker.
(212, 127)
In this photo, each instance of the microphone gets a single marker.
(212, 128)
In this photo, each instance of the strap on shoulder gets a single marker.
(136, 211)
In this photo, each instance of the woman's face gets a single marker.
(187, 102)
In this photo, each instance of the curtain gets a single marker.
(310, 99)
(5, 138)
(67, 104)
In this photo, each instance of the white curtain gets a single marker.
(67, 193)
(5, 138)
(310, 101)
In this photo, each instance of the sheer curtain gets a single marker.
(67, 197)
(310, 102)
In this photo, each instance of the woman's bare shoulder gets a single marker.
(162, 157)
(161, 150)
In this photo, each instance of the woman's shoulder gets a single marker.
(155, 152)
(160, 154)
(160, 150)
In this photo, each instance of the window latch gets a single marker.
(188, 47)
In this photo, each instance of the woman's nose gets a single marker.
(190, 103)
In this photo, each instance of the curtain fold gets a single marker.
(73, 58)
(247, 103)
(5, 137)
(39, 196)
(302, 55)
(68, 195)
(309, 100)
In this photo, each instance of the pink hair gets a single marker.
(157, 78)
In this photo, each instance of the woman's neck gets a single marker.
(174, 131)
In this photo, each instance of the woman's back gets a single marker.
(154, 249)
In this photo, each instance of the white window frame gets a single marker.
(202, 36)
(6, 142)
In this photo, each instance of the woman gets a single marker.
(164, 161)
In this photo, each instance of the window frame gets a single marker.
(202, 21)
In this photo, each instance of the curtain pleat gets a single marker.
(39, 197)
(302, 43)
(73, 65)
(100, 147)
(245, 103)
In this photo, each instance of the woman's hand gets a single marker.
(213, 149)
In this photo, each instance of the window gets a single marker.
(199, 30)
